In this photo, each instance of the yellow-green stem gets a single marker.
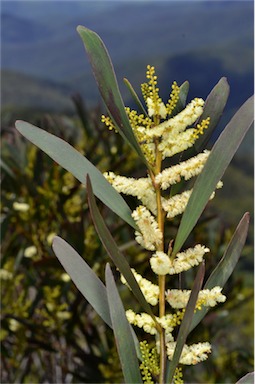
(162, 333)
(161, 279)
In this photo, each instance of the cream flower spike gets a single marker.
(145, 321)
(186, 117)
(176, 143)
(151, 111)
(186, 169)
(142, 320)
(160, 263)
(140, 188)
(150, 234)
(188, 259)
(149, 290)
(180, 122)
(207, 297)
(176, 205)
(192, 354)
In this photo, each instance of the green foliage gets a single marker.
(46, 197)
(23, 334)
(225, 267)
(42, 312)
(73, 161)
(186, 323)
(84, 277)
(122, 332)
(214, 107)
(108, 86)
(113, 251)
(220, 157)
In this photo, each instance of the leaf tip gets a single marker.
(55, 242)
(247, 217)
(89, 186)
(18, 123)
(80, 28)
(225, 80)
(107, 268)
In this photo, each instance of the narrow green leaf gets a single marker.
(213, 108)
(107, 84)
(88, 283)
(74, 162)
(113, 251)
(135, 97)
(7, 169)
(225, 267)
(186, 323)
(83, 277)
(218, 160)
(122, 332)
(247, 379)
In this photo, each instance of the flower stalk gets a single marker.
(161, 133)
(161, 278)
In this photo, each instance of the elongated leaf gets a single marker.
(107, 84)
(122, 332)
(7, 169)
(88, 283)
(213, 108)
(224, 269)
(186, 323)
(113, 251)
(135, 97)
(74, 162)
(83, 277)
(247, 379)
(218, 160)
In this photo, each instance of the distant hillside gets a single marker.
(12, 25)
(40, 38)
(24, 91)
(44, 61)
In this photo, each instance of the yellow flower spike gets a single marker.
(154, 103)
(200, 128)
(150, 364)
(174, 97)
(140, 124)
(178, 376)
(145, 91)
(108, 122)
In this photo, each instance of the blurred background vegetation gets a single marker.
(49, 333)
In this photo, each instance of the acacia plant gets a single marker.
(169, 139)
